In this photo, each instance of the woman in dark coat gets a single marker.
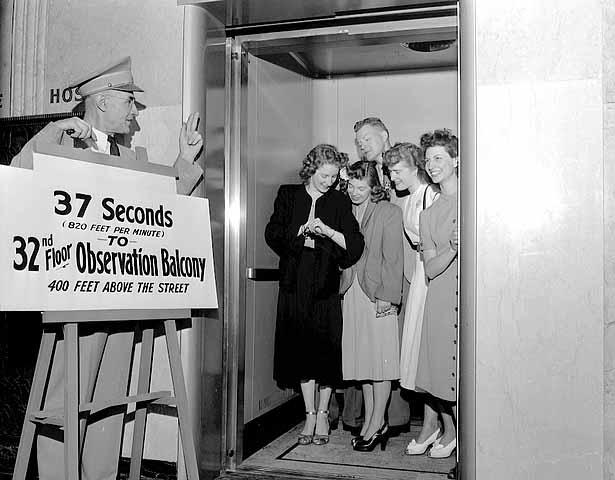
(314, 232)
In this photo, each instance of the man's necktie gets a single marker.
(113, 148)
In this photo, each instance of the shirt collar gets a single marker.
(101, 141)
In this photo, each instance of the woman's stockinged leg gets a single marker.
(381, 393)
(322, 420)
(448, 421)
(308, 388)
(430, 419)
(368, 405)
(446, 444)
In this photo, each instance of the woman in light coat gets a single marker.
(372, 292)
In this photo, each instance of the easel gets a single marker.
(68, 417)
(72, 416)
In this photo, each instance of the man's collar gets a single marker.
(101, 141)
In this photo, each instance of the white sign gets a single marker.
(80, 236)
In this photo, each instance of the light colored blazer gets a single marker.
(409, 252)
(380, 268)
(188, 174)
(401, 202)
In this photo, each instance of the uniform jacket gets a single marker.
(291, 210)
(381, 267)
(188, 174)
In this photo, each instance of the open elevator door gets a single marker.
(283, 100)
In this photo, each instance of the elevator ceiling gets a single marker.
(352, 50)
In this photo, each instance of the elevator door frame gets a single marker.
(235, 180)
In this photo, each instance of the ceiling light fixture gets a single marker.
(427, 47)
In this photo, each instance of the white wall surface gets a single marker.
(540, 223)
(608, 55)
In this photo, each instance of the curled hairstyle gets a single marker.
(372, 122)
(410, 154)
(366, 170)
(318, 156)
(440, 138)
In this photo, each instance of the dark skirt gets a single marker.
(308, 334)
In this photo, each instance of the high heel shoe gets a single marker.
(305, 439)
(443, 451)
(380, 437)
(358, 438)
(414, 448)
(322, 439)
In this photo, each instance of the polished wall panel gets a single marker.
(540, 244)
(608, 55)
(202, 344)
(279, 135)
(211, 83)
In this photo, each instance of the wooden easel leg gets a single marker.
(98, 349)
(145, 373)
(35, 402)
(179, 387)
(71, 401)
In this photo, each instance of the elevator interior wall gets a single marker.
(279, 126)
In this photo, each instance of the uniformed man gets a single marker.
(109, 96)
(104, 357)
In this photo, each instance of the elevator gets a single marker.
(537, 102)
(282, 78)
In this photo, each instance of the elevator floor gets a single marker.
(284, 458)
